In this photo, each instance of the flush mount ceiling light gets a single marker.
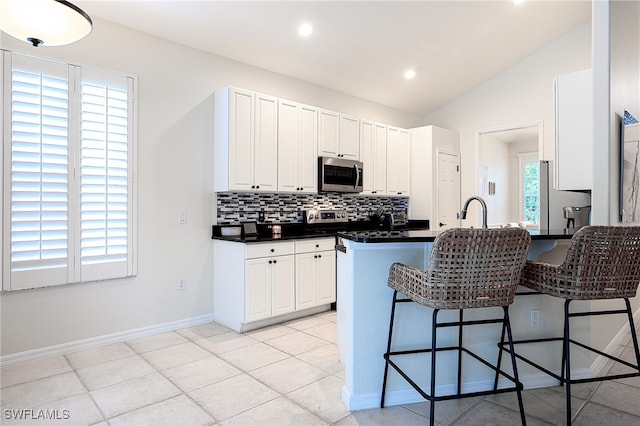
(44, 22)
(409, 74)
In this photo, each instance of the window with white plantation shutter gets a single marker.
(68, 174)
(105, 174)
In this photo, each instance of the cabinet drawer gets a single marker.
(256, 250)
(315, 244)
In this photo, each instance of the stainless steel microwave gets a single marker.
(339, 175)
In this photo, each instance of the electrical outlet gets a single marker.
(535, 317)
(182, 284)
(182, 217)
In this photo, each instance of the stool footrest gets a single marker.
(518, 386)
(563, 380)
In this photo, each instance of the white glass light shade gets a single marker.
(46, 22)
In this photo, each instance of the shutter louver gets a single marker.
(39, 171)
(104, 174)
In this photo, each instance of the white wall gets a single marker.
(175, 172)
(521, 94)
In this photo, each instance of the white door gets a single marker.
(448, 190)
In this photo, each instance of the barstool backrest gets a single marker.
(603, 262)
(474, 268)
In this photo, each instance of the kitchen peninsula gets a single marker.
(364, 304)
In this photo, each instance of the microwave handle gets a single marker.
(355, 184)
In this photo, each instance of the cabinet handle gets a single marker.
(315, 256)
(253, 187)
(274, 261)
(269, 262)
(272, 250)
(317, 245)
(257, 186)
(319, 256)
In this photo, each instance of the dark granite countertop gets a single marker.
(420, 236)
(297, 231)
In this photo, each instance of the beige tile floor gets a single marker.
(283, 375)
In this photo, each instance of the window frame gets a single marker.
(76, 272)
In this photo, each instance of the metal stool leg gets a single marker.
(507, 324)
(386, 356)
(567, 360)
(460, 353)
(434, 323)
(499, 363)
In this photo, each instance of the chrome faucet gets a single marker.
(463, 213)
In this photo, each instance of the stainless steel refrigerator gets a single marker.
(552, 201)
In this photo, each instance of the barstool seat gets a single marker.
(602, 263)
(468, 269)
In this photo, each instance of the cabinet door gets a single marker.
(308, 149)
(326, 277)
(288, 113)
(328, 133)
(367, 156)
(241, 139)
(282, 285)
(305, 281)
(574, 136)
(257, 289)
(393, 160)
(379, 174)
(266, 143)
(404, 171)
(349, 137)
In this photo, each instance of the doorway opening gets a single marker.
(507, 160)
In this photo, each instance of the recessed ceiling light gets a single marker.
(409, 74)
(305, 29)
(518, 2)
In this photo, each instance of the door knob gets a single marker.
(442, 224)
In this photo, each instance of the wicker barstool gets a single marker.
(468, 268)
(602, 262)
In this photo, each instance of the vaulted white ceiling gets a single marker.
(362, 48)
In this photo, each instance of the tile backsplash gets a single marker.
(236, 207)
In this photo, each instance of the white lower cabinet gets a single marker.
(256, 284)
(269, 287)
(315, 273)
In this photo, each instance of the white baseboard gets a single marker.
(106, 339)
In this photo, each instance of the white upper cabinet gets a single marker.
(574, 131)
(373, 154)
(245, 141)
(297, 147)
(338, 135)
(398, 161)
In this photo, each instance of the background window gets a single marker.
(69, 157)
(529, 188)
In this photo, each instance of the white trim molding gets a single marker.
(106, 339)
